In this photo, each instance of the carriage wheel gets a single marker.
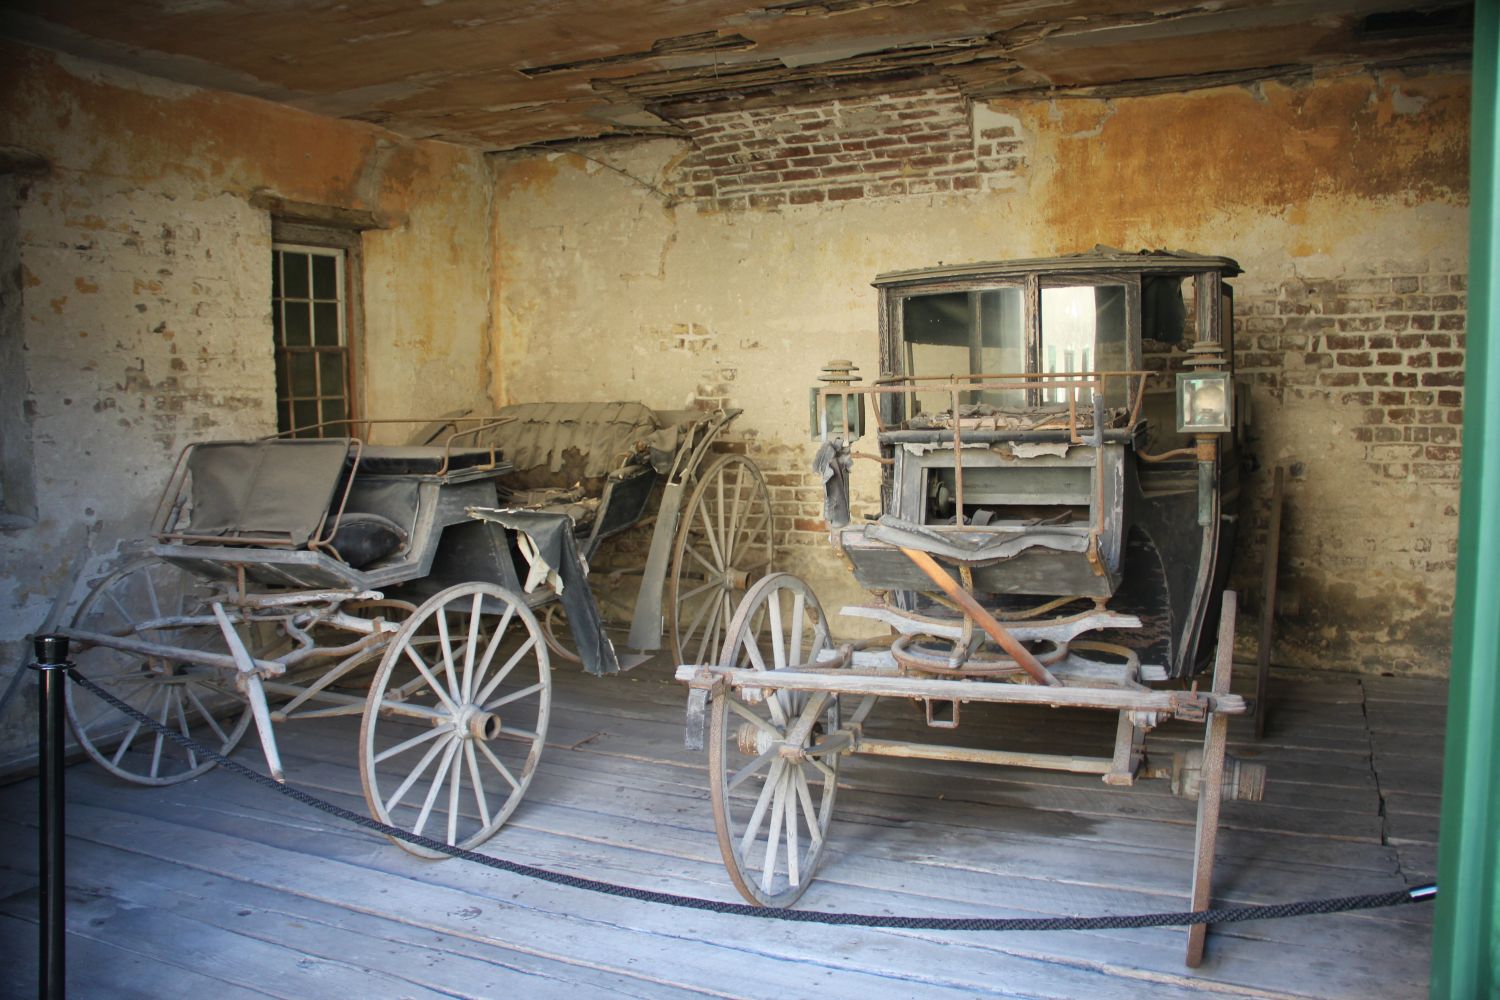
(192, 699)
(1211, 785)
(456, 717)
(723, 546)
(773, 795)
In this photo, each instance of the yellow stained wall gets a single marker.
(145, 319)
(612, 284)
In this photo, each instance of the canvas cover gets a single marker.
(278, 491)
(564, 444)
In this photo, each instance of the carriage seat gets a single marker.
(279, 493)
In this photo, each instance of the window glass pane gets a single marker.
(297, 332)
(283, 383)
(276, 275)
(326, 324)
(331, 373)
(324, 277)
(294, 275)
(304, 414)
(276, 323)
(1086, 318)
(304, 374)
(333, 409)
(966, 333)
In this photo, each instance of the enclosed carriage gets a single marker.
(1059, 443)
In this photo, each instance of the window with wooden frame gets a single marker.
(315, 321)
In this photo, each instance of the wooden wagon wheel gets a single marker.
(1211, 784)
(456, 717)
(771, 785)
(723, 545)
(136, 601)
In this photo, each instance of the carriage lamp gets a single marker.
(829, 408)
(1205, 402)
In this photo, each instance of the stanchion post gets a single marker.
(51, 666)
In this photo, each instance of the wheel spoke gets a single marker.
(437, 784)
(490, 650)
(748, 714)
(524, 734)
(793, 863)
(778, 637)
(758, 814)
(708, 532)
(749, 769)
(479, 792)
(416, 772)
(207, 715)
(733, 534)
(515, 696)
(446, 644)
(182, 725)
(495, 763)
(468, 685)
(455, 782)
(710, 628)
(804, 796)
(713, 571)
(773, 833)
(794, 654)
(432, 681)
(515, 658)
(406, 745)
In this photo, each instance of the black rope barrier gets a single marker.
(1225, 915)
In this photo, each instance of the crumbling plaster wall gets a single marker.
(731, 269)
(145, 283)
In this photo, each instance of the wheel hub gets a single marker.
(752, 740)
(474, 723)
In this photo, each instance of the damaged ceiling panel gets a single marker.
(500, 76)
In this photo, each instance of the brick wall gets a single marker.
(1387, 347)
(878, 147)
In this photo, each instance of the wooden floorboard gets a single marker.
(221, 888)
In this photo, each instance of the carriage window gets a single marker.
(966, 333)
(309, 315)
(1083, 330)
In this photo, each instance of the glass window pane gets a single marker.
(294, 274)
(297, 332)
(305, 414)
(333, 409)
(276, 323)
(966, 333)
(324, 277)
(276, 275)
(326, 324)
(331, 373)
(283, 383)
(304, 374)
(1086, 318)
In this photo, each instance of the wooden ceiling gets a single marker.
(500, 74)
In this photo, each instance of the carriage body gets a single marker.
(407, 586)
(1027, 415)
(1059, 446)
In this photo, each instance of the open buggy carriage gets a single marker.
(300, 578)
(1055, 529)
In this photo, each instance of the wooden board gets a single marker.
(222, 888)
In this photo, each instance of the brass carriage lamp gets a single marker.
(833, 410)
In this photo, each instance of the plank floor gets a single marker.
(221, 889)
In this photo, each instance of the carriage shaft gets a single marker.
(1167, 703)
(975, 755)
